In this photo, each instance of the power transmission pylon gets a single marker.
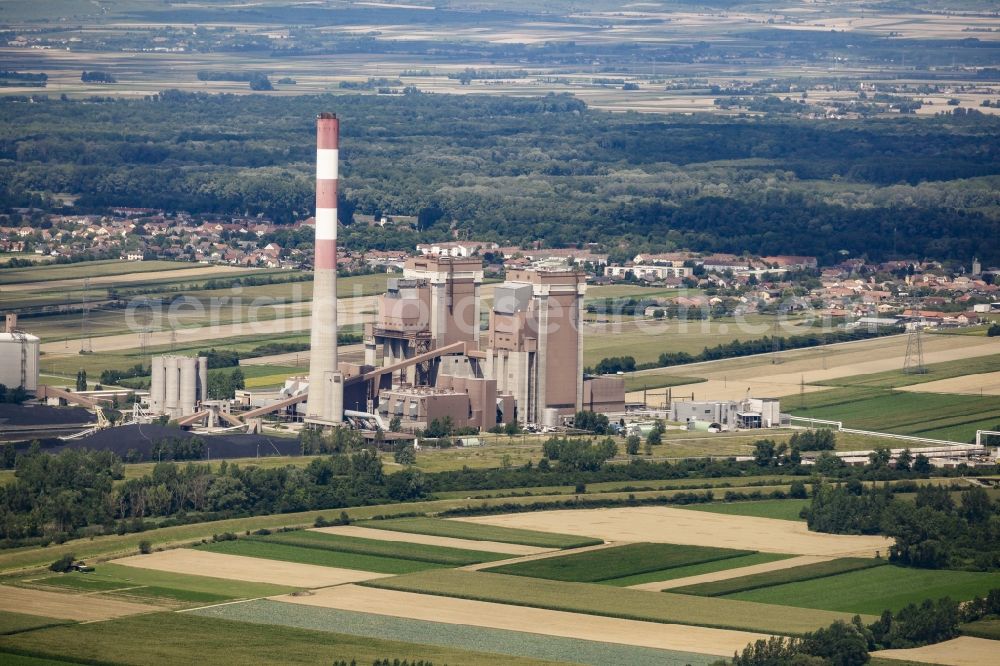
(86, 345)
(914, 363)
(775, 345)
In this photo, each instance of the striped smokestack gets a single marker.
(326, 389)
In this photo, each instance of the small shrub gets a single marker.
(145, 547)
(63, 564)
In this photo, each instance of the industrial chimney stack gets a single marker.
(326, 388)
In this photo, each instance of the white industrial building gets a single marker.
(178, 385)
(19, 353)
(719, 415)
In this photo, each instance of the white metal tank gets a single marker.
(19, 360)
(157, 385)
(189, 383)
(171, 404)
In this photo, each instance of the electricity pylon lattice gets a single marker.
(914, 363)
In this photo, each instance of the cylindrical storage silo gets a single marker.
(336, 397)
(172, 387)
(157, 388)
(202, 378)
(189, 379)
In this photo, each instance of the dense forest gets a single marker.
(520, 169)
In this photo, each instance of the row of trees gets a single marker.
(932, 531)
(611, 171)
(848, 643)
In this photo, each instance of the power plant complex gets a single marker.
(426, 357)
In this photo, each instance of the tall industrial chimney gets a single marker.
(326, 387)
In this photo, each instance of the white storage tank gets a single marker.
(189, 384)
(19, 360)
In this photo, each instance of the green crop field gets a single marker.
(696, 569)
(874, 590)
(787, 509)
(476, 532)
(611, 601)
(326, 558)
(396, 549)
(606, 563)
(498, 641)
(133, 581)
(770, 578)
(936, 415)
(12, 623)
(176, 638)
(935, 372)
(989, 629)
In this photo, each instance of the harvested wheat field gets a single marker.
(251, 569)
(429, 540)
(961, 651)
(726, 574)
(448, 610)
(986, 383)
(694, 528)
(77, 607)
(729, 379)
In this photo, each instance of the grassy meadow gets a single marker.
(805, 572)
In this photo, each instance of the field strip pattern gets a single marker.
(251, 569)
(961, 651)
(726, 574)
(67, 606)
(987, 383)
(430, 540)
(541, 556)
(481, 639)
(693, 528)
(448, 610)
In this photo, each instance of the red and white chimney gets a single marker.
(326, 388)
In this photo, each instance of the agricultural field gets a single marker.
(526, 643)
(934, 415)
(662, 576)
(117, 580)
(12, 623)
(786, 509)
(791, 374)
(283, 552)
(391, 549)
(595, 599)
(476, 532)
(88, 269)
(935, 372)
(989, 629)
(874, 590)
(187, 561)
(674, 525)
(771, 578)
(64, 606)
(617, 562)
(646, 339)
(174, 637)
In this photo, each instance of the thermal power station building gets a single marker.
(424, 355)
(178, 385)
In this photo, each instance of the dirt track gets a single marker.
(429, 540)
(252, 569)
(729, 379)
(82, 608)
(732, 573)
(696, 528)
(533, 620)
(962, 651)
